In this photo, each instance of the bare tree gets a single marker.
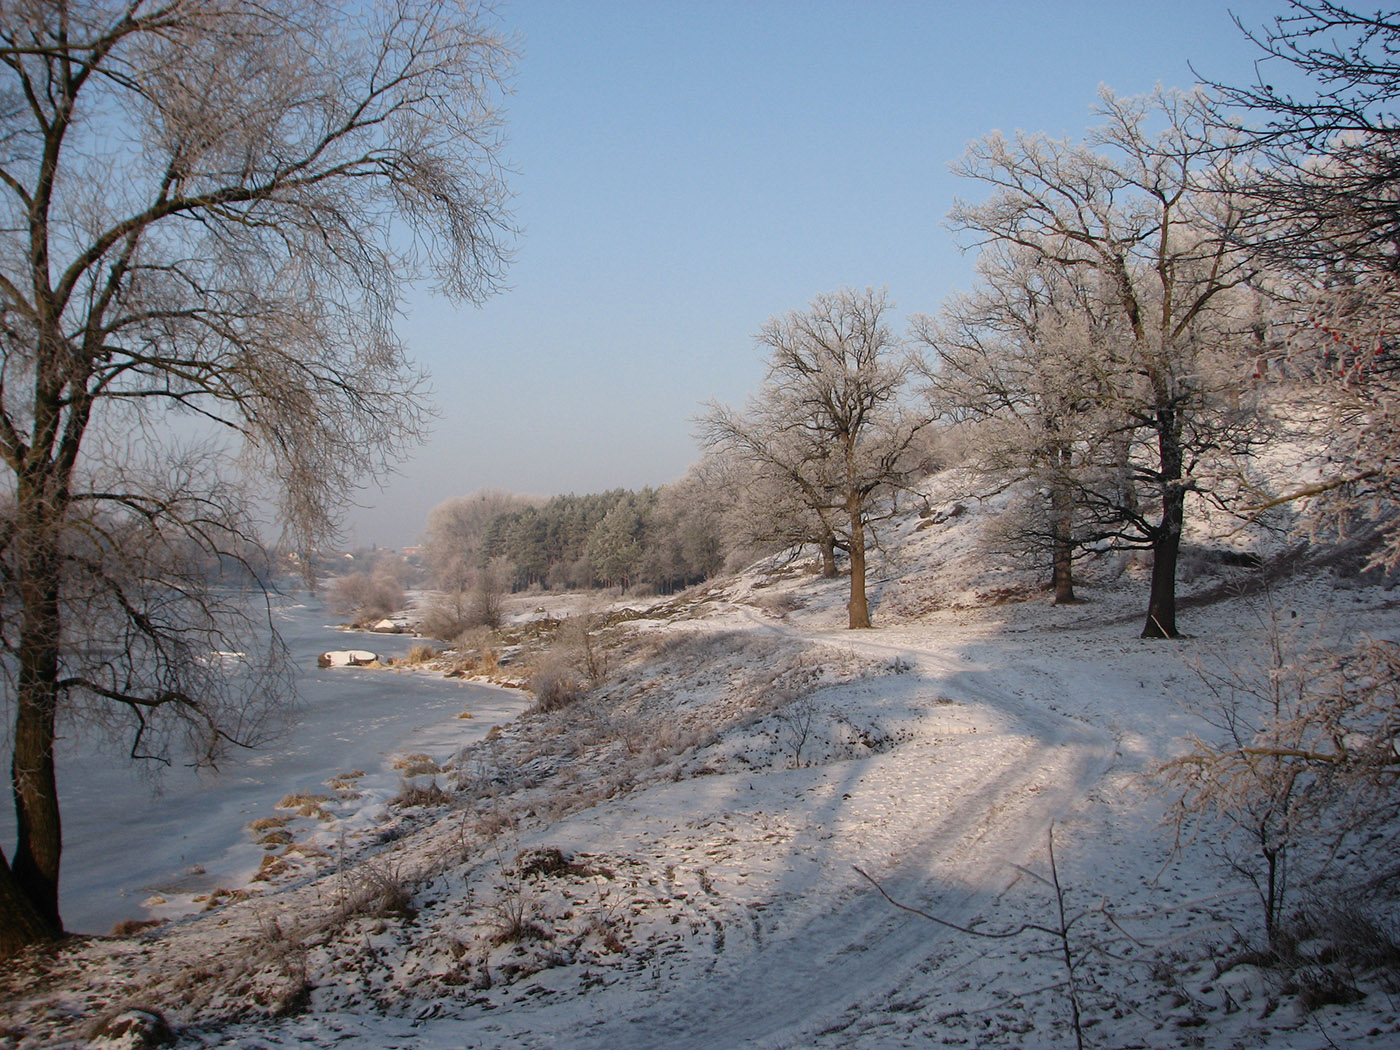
(209, 210)
(470, 582)
(763, 513)
(1323, 219)
(829, 425)
(1323, 180)
(367, 597)
(1305, 748)
(684, 543)
(1023, 360)
(457, 533)
(1152, 214)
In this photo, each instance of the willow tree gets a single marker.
(829, 427)
(209, 210)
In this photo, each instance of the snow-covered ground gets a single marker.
(689, 856)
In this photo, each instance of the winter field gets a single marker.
(688, 855)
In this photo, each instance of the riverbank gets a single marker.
(145, 842)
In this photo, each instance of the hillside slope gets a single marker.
(673, 860)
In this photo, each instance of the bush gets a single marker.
(419, 655)
(555, 684)
(416, 764)
(377, 891)
(410, 794)
(445, 617)
(363, 598)
(476, 652)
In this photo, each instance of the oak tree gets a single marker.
(830, 425)
(1020, 360)
(1146, 203)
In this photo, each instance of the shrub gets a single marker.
(777, 605)
(445, 617)
(410, 794)
(476, 651)
(555, 684)
(420, 655)
(377, 891)
(364, 598)
(1301, 757)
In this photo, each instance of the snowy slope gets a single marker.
(673, 861)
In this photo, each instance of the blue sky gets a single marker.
(685, 170)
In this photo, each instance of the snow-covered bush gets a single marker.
(1302, 759)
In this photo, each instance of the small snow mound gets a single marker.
(346, 658)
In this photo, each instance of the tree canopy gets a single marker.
(208, 213)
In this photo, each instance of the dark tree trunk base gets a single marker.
(21, 925)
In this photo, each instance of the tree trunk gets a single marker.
(20, 924)
(858, 608)
(828, 549)
(1166, 540)
(1161, 603)
(39, 841)
(1062, 527)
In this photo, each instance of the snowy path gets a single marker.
(942, 819)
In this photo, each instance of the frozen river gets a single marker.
(128, 838)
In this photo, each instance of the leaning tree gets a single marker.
(208, 210)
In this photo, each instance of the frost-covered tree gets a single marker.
(1146, 204)
(684, 542)
(1325, 163)
(207, 212)
(1323, 220)
(456, 540)
(1022, 360)
(830, 425)
(1305, 750)
(471, 584)
(764, 513)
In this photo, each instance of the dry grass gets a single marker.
(131, 927)
(429, 794)
(300, 800)
(306, 804)
(555, 684)
(375, 890)
(419, 655)
(416, 764)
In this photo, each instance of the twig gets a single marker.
(1060, 933)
